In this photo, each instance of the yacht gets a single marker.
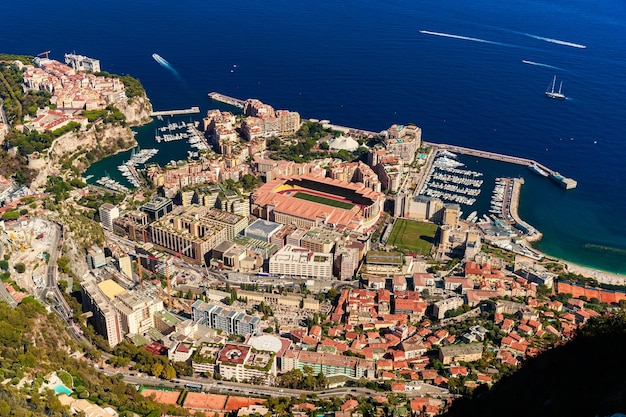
(556, 94)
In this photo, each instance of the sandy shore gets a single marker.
(600, 276)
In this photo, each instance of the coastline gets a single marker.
(604, 277)
(600, 275)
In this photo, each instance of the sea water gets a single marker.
(366, 64)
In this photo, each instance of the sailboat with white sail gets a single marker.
(552, 93)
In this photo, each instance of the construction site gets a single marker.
(27, 246)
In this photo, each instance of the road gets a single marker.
(51, 293)
(237, 388)
(228, 387)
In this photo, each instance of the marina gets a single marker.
(447, 181)
(129, 170)
(111, 184)
(182, 131)
(567, 183)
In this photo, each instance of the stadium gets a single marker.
(308, 201)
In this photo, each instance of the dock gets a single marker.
(564, 182)
(190, 110)
(513, 204)
(222, 98)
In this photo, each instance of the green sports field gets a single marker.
(413, 236)
(323, 200)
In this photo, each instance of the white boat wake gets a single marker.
(552, 40)
(163, 62)
(539, 64)
(465, 38)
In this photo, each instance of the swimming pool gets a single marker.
(62, 389)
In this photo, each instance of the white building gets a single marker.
(82, 63)
(108, 213)
(105, 319)
(346, 143)
(136, 311)
(299, 262)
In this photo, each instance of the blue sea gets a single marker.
(366, 64)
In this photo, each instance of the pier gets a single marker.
(200, 135)
(565, 182)
(231, 101)
(190, 110)
(512, 205)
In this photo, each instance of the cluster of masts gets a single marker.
(452, 183)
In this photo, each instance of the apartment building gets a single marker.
(299, 262)
(188, 234)
(105, 319)
(229, 321)
(327, 363)
(136, 311)
(108, 212)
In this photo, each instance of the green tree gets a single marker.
(157, 369)
(169, 372)
(20, 267)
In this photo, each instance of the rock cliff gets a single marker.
(81, 149)
(137, 110)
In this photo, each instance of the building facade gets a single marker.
(302, 263)
(229, 321)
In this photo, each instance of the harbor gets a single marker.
(129, 170)
(564, 182)
(447, 181)
(182, 131)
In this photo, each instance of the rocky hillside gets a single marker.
(137, 110)
(80, 149)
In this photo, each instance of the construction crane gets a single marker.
(165, 269)
(46, 53)
(139, 270)
(167, 275)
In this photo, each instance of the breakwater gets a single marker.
(567, 183)
(190, 110)
(222, 98)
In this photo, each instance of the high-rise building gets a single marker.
(136, 311)
(125, 266)
(188, 234)
(451, 214)
(104, 318)
(157, 207)
(108, 212)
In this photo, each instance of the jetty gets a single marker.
(190, 110)
(513, 204)
(567, 183)
(222, 98)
